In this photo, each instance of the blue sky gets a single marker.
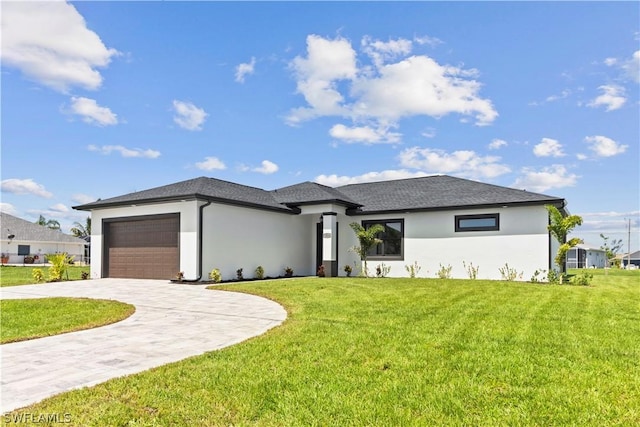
(105, 98)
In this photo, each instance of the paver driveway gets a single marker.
(171, 322)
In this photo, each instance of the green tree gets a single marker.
(610, 249)
(80, 230)
(49, 223)
(368, 238)
(560, 226)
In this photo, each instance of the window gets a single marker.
(484, 222)
(24, 249)
(391, 246)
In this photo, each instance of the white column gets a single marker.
(330, 243)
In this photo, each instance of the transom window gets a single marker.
(392, 236)
(482, 222)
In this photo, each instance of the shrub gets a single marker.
(320, 272)
(288, 272)
(215, 275)
(259, 272)
(239, 274)
(59, 266)
(38, 275)
(509, 274)
(538, 276)
(348, 270)
(382, 270)
(444, 272)
(413, 269)
(584, 279)
(180, 276)
(471, 270)
(84, 275)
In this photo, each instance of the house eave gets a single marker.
(185, 198)
(556, 202)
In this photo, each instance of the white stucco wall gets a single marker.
(431, 240)
(188, 211)
(41, 248)
(238, 237)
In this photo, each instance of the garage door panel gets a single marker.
(143, 249)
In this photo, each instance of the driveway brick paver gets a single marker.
(172, 322)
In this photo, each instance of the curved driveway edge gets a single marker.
(171, 322)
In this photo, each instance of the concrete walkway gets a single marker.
(171, 322)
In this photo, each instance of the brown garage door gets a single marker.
(142, 248)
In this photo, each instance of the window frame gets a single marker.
(23, 248)
(461, 229)
(384, 222)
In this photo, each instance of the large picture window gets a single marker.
(483, 222)
(392, 236)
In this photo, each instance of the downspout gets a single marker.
(200, 245)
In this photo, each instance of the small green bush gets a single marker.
(413, 269)
(444, 272)
(215, 275)
(382, 270)
(509, 274)
(259, 273)
(472, 271)
(59, 266)
(583, 279)
(38, 275)
(239, 274)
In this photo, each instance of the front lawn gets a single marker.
(399, 352)
(26, 319)
(16, 275)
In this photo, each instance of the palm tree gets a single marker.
(368, 239)
(80, 230)
(560, 226)
(51, 223)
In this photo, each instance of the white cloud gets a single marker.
(548, 148)
(59, 207)
(632, 67)
(336, 181)
(327, 62)
(613, 97)
(245, 69)
(211, 163)
(462, 162)
(51, 44)
(381, 52)
(582, 156)
(604, 147)
(431, 41)
(124, 151)
(25, 186)
(8, 208)
(188, 116)
(333, 85)
(610, 61)
(564, 94)
(91, 112)
(555, 176)
(419, 85)
(364, 134)
(496, 144)
(266, 168)
(83, 198)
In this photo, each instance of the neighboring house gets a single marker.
(585, 256)
(27, 241)
(204, 223)
(633, 258)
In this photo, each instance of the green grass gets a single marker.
(401, 352)
(25, 319)
(16, 275)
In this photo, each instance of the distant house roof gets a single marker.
(29, 231)
(634, 255)
(425, 193)
(588, 247)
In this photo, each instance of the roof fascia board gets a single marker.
(555, 202)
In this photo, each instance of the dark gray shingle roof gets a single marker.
(426, 193)
(29, 231)
(202, 188)
(436, 192)
(310, 192)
